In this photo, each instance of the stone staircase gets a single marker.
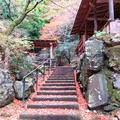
(56, 98)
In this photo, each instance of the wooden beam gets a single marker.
(111, 10)
(98, 11)
(98, 19)
(86, 16)
(95, 20)
(106, 1)
(102, 1)
(101, 5)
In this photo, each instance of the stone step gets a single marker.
(57, 93)
(59, 84)
(55, 98)
(60, 81)
(68, 74)
(62, 75)
(61, 106)
(58, 88)
(60, 78)
(49, 116)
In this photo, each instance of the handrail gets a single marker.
(23, 80)
(40, 66)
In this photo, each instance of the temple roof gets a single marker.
(85, 15)
(43, 43)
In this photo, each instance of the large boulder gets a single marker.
(94, 54)
(113, 54)
(6, 89)
(97, 91)
(109, 108)
(18, 86)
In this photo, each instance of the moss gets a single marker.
(28, 92)
(113, 92)
(116, 94)
(110, 88)
(116, 61)
(113, 50)
(107, 72)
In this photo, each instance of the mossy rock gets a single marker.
(116, 94)
(113, 55)
(114, 51)
(29, 91)
(107, 72)
(113, 92)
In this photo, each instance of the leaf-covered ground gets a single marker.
(13, 110)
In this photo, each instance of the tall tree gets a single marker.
(23, 14)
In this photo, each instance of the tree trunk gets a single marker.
(67, 58)
(6, 59)
(15, 23)
(22, 17)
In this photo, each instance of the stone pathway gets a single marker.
(60, 98)
(56, 99)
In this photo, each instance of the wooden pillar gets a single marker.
(111, 10)
(95, 19)
(85, 30)
(51, 53)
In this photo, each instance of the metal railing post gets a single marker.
(23, 92)
(50, 63)
(36, 79)
(48, 70)
(44, 72)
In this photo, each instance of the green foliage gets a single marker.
(66, 49)
(116, 94)
(113, 51)
(20, 65)
(113, 92)
(67, 45)
(16, 46)
(4, 10)
(34, 22)
(44, 3)
(8, 9)
(33, 27)
(99, 33)
(12, 50)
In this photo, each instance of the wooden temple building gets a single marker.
(96, 15)
(51, 44)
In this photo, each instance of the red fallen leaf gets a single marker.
(15, 101)
(19, 107)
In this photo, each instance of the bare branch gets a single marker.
(62, 6)
(57, 4)
(8, 6)
(27, 5)
(33, 7)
